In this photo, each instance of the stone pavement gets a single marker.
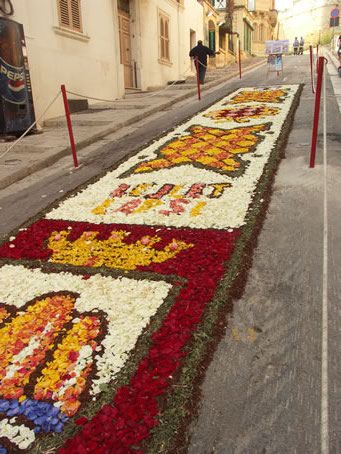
(36, 152)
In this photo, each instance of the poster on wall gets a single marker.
(277, 47)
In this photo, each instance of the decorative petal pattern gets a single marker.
(155, 187)
(242, 114)
(104, 300)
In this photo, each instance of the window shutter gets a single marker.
(76, 15)
(164, 37)
(64, 17)
(70, 14)
(166, 40)
(162, 29)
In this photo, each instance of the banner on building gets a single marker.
(277, 47)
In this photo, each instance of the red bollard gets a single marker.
(69, 126)
(317, 111)
(312, 68)
(317, 58)
(240, 60)
(198, 80)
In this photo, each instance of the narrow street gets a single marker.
(262, 390)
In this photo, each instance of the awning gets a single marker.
(246, 20)
(225, 28)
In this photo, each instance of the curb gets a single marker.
(333, 59)
(35, 167)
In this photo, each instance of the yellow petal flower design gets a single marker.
(114, 252)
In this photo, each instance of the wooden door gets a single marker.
(125, 47)
(192, 43)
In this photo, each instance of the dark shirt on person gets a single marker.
(201, 52)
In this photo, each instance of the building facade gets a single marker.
(160, 34)
(227, 39)
(65, 45)
(311, 20)
(99, 52)
(265, 24)
(243, 25)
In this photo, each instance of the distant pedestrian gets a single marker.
(296, 45)
(200, 52)
(301, 48)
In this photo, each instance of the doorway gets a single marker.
(247, 38)
(192, 43)
(125, 43)
(211, 35)
(212, 42)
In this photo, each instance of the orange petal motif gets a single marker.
(26, 339)
(211, 148)
(75, 353)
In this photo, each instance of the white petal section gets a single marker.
(128, 303)
(232, 205)
(19, 435)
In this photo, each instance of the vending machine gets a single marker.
(16, 101)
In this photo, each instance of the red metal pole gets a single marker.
(312, 68)
(317, 111)
(198, 80)
(317, 58)
(69, 126)
(240, 60)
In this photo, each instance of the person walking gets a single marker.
(300, 52)
(200, 53)
(296, 45)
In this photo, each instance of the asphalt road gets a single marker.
(262, 392)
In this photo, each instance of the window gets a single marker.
(255, 32)
(220, 4)
(251, 5)
(164, 37)
(261, 32)
(123, 5)
(231, 44)
(69, 12)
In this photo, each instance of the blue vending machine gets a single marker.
(16, 101)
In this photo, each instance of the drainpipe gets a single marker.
(138, 45)
(179, 41)
(119, 74)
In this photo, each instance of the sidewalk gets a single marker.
(37, 152)
(332, 66)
